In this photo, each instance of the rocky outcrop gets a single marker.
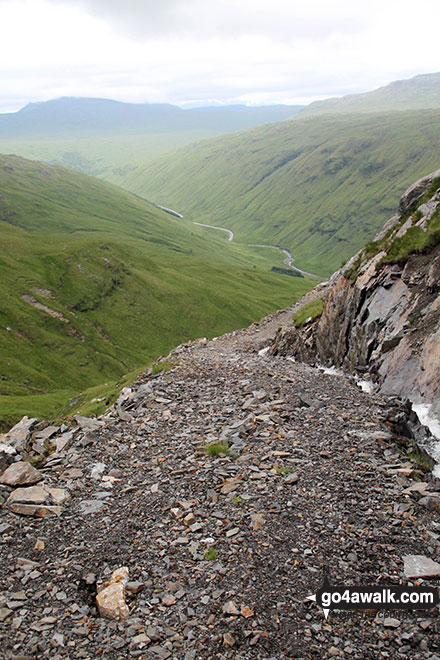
(381, 315)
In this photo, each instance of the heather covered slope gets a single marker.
(319, 186)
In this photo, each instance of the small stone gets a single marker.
(161, 652)
(88, 507)
(87, 423)
(232, 532)
(31, 495)
(97, 471)
(5, 613)
(37, 501)
(189, 519)
(21, 473)
(7, 455)
(140, 639)
(59, 639)
(135, 587)
(257, 521)
(228, 640)
(72, 473)
(35, 510)
(39, 545)
(431, 503)
(389, 622)
(230, 608)
(246, 612)
(291, 478)
(58, 495)
(153, 633)
(229, 486)
(27, 564)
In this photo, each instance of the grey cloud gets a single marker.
(229, 18)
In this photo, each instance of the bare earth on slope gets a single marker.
(222, 550)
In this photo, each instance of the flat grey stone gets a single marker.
(21, 473)
(88, 507)
(419, 566)
(87, 423)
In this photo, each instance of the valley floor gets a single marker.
(222, 551)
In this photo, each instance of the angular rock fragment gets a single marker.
(87, 423)
(7, 455)
(419, 566)
(20, 434)
(37, 501)
(111, 596)
(230, 608)
(20, 474)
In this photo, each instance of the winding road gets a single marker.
(228, 231)
(288, 261)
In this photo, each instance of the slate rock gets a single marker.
(419, 566)
(21, 473)
(7, 456)
(20, 434)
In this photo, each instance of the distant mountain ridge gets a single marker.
(420, 92)
(68, 116)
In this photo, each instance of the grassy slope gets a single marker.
(113, 158)
(131, 281)
(320, 187)
(413, 94)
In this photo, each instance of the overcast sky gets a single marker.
(246, 51)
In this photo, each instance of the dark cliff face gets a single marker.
(381, 311)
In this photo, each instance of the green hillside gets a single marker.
(319, 186)
(95, 283)
(109, 139)
(420, 92)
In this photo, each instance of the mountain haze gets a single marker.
(87, 117)
(109, 139)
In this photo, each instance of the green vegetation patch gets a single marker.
(163, 366)
(211, 554)
(286, 271)
(216, 449)
(308, 312)
(398, 248)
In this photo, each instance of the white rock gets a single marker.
(111, 597)
(419, 566)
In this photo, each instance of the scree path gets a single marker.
(222, 550)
